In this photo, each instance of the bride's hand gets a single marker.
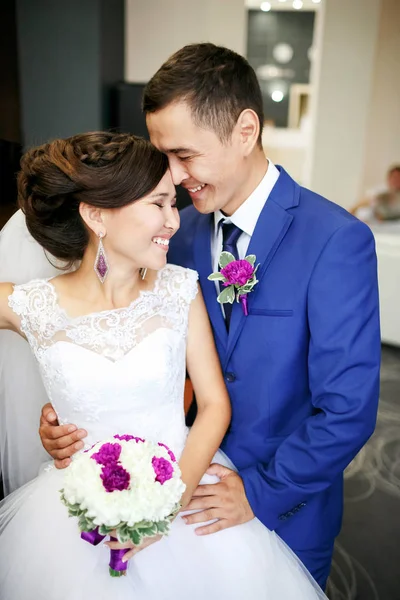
(133, 549)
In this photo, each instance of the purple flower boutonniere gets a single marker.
(238, 278)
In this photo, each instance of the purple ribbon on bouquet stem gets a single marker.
(117, 567)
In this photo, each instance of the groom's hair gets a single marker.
(217, 84)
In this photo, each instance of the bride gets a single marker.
(113, 339)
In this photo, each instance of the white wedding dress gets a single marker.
(123, 371)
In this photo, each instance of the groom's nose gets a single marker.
(178, 170)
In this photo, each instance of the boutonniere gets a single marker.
(238, 277)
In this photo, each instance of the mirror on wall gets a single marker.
(281, 49)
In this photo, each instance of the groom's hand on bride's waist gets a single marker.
(224, 502)
(60, 441)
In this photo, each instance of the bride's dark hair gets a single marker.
(103, 169)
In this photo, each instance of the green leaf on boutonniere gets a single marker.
(251, 258)
(216, 277)
(225, 258)
(245, 289)
(227, 295)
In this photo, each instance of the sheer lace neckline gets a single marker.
(112, 332)
(103, 313)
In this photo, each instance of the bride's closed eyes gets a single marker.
(163, 205)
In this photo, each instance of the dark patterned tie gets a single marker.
(230, 235)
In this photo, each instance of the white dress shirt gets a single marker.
(245, 217)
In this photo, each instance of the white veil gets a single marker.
(21, 390)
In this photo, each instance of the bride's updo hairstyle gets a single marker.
(105, 170)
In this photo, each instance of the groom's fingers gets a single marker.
(59, 443)
(64, 453)
(62, 464)
(213, 527)
(61, 436)
(203, 516)
(203, 503)
(207, 490)
(48, 416)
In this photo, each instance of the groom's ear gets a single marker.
(249, 129)
(92, 217)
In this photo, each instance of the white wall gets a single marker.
(383, 125)
(343, 79)
(157, 28)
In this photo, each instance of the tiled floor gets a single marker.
(366, 561)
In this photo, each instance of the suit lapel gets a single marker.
(271, 228)
(203, 263)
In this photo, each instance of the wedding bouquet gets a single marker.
(124, 484)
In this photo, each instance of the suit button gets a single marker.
(230, 377)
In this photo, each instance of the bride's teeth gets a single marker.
(161, 241)
(196, 189)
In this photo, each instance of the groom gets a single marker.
(302, 369)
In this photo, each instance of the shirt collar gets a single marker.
(246, 216)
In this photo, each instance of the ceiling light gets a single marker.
(277, 96)
(297, 4)
(265, 6)
(282, 53)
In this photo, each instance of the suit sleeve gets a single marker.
(343, 367)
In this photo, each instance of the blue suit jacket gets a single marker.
(302, 369)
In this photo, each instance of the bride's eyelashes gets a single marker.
(175, 205)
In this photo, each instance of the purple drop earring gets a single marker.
(101, 266)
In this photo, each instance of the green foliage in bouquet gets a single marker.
(135, 533)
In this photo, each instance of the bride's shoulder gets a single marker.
(182, 271)
(33, 285)
(36, 293)
(179, 280)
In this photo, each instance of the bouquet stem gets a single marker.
(117, 567)
(115, 573)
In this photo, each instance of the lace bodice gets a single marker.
(116, 371)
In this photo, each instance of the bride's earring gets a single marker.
(101, 266)
(143, 272)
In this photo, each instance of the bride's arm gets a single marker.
(213, 405)
(8, 319)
